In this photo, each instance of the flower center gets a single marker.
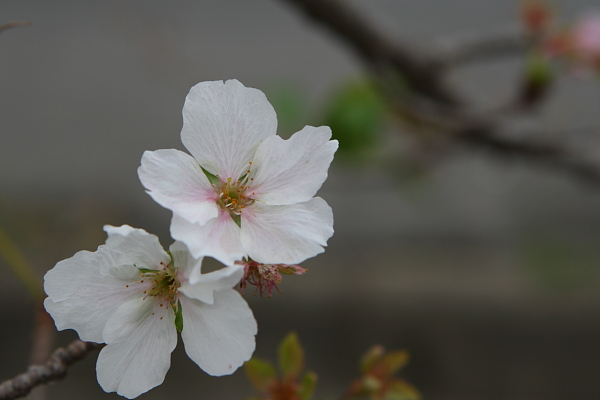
(234, 196)
(165, 284)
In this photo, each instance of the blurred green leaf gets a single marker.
(392, 362)
(371, 358)
(291, 356)
(261, 373)
(400, 390)
(356, 116)
(307, 385)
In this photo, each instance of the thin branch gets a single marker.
(507, 43)
(489, 133)
(53, 369)
(43, 339)
(420, 69)
(14, 24)
(442, 111)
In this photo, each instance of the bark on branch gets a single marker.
(53, 369)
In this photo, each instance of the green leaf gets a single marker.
(307, 386)
(261, 373)
(356, 116)
(179, 317)
(401, 390)
(291, 356)
(371, 358)
(392, 362)
(211, 178)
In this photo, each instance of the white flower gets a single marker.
(260, 201)
(133, 296)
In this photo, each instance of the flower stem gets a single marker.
(19, 265)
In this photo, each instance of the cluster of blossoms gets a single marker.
(578, 44)
(244, 197)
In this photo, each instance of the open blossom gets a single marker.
(246, 192)
(133, 296)
(586, 39)
(580, 44)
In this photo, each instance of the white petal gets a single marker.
(137, 247)
(176, 181)
(219, 238)
(85, 290)
(223, 124)
(188, 265)
(138, 354)
(219, 337)
(286, 234)
(204, 286)
(195, 284)
(291, 171)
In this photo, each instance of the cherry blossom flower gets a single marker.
(586, 40)
(133, 296)
(579, 45)
(246, 192)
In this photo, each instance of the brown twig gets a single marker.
(419, 68)
(53, 369)
(14, 24)
(43, 338)
(506, 43)
(425, 73)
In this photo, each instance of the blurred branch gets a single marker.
(434, 103)
(53, 369)
(43, 338)
(488, 132)
(474, 48)
(420, 69)
(14, 24)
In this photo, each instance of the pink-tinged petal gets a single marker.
(286, 234)
(136, 246)
(291, 171)
(139, 345)
(586, 35)
(219, 337)
(218, 238)
(85, 290)
(204, 286)
(176, 181)
(223, 125)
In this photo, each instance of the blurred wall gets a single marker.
(486, 269)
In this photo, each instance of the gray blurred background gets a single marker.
(486, 269)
